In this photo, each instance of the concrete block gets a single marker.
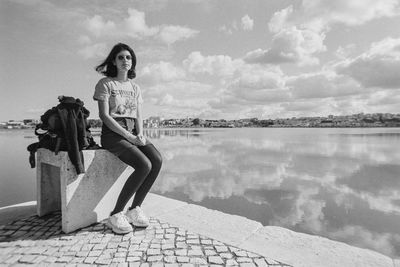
(83, 199)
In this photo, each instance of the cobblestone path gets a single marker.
(40, 241)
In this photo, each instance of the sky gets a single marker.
(211, 59)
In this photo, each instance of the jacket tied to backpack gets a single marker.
(65, 128)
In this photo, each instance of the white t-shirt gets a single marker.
(123, 97)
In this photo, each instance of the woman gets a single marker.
(119, 101)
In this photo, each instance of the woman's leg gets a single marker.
(134, 157)
(156, 161)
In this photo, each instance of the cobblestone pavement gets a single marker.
(40, 241)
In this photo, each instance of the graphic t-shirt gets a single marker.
(123, 97)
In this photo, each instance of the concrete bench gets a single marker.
(83, 199)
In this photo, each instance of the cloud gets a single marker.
(299, 33)
(279, 19)
(322, 85)
(161, 72)
(219, 65)
(247, 23)
(93, 50)
(97, 26)
(383, 56)
(170, 34)
(362, 237)
(135, 26)
(323, 13)
(290, 45)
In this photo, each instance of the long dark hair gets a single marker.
(107, 68)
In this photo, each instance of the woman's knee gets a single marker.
(157, 162)
(145, 166)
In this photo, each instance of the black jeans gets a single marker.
(146, 160)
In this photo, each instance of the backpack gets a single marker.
(64, 128)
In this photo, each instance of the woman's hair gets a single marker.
(107, 68)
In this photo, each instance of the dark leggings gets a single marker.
(147, 161)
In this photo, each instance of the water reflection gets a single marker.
(341, 184)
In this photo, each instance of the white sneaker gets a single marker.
(137, 218)
(119, 223)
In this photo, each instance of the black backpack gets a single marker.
(64, 128)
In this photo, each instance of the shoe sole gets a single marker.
(139, 225)
(118, 231)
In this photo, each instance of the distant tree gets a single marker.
(196, 121)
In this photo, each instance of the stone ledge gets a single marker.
(272, 242)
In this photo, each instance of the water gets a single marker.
(343, 184)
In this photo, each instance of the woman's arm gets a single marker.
(139, 124)
(112, 124)
(139, 119)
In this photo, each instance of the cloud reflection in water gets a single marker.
(339, 183)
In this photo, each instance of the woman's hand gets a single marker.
(142, 138)
(138, 140)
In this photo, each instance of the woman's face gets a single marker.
(123, 61)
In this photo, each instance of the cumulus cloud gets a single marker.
(299, 33)
(135, 26)
(170, 34)
(247, 23)
(322, 85)
(161, 72)
(383, 56)
(93, 50)
(323, 13)
(219, 65)
(98, 26)
(290, 45)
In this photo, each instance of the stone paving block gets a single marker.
(168, 246)
(50, 259)
(182, 259)
(94, 253)
(82, 254)
(168, 252)
(130, 259)
(27, 258)
(64, 259)
(226, 255)
(103, 261)
(220, 248)
(215, 259)
(260, 262)
(181, 252)
(153, 252)
(231, 262)
(155, 258)
(248, 264)
(13, 259)
(198, 261)
(170, 259)
(100, 246)
(209, 252)
(195, 252)
(240, 253)
(243, 260)
(90, 260)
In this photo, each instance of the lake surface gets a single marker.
(343, 184)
